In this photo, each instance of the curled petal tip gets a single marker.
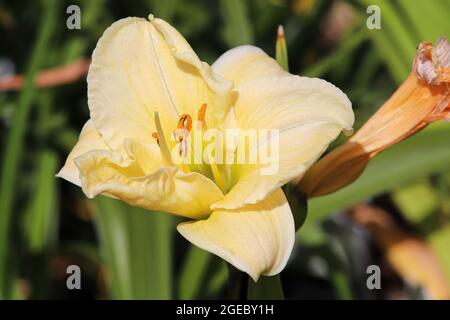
(432, 64)
(442, 52)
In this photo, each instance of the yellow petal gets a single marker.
(309, 114)
(140, 67)
(89, 140)
(204, 84)
(133, 180)
(257, 239)
(245, 63)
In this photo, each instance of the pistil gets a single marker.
(165, 153)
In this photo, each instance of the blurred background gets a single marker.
(395, 216)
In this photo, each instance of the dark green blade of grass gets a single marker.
(12, 153)
(41, 217)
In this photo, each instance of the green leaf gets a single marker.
(12, 154)
(217, 280)
(393, 24)
(439, 241)
(238, 29)
(395, 42)
(349, 45)
(395, 63)
(41, 219)
(341, 285)
(193, 273)
(429, 21)
(416, 211)
(417, 157)
(137, 248)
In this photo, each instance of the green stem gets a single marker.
(267, 288)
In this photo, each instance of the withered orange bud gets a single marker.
(421, 99)
(433, 64)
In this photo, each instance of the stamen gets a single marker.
(165, 153)
(181, 134)
(185, 122)
(155, 136)
(201, 117)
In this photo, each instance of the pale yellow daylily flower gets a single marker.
(145, 81)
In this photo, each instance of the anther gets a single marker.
(181, 134)
(185, 122)
(201, 116)
(155, 136)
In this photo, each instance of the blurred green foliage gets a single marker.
(46, 224)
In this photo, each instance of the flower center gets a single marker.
(181, 135)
